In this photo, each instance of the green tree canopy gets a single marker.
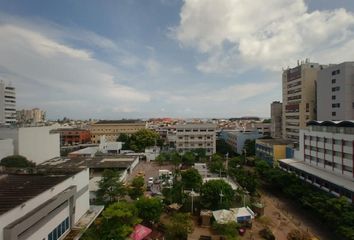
(223, 148)
(110, 187)
(250, 147)
(143, 138)
(149, 209)
(211, 193)
(16, 161)
(188, 158)
(117, 222)
(191, 179)
(136, 188)
(179, 227)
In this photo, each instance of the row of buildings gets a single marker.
(313, 129)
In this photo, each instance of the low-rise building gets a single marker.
(45, 206)
(73, 136)
(271, 150)
(113, 128)
(236, 139)
(325, 156)
(193, 136)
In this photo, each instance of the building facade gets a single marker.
(299, 98)
(7, 148)
(263, 128)
(30, 116)
(195, 136)
(73, 136)
(7, 104)
(112, 129)
(335, 92)
(37, 144)
(236, 139)
(276, 111)
(271, 150)
(326, 156)
(49, 206)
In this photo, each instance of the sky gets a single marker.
(164, 58)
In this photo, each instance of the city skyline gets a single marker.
(132, 59)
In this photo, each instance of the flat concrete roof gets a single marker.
(335, 179)
(275, 141)
(195, 125)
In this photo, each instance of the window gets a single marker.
(335, 105)
(335, 72)
(59, 230)
(334, 114)
(353, 104)
(333, 80)
(334, 89)
(334, 97)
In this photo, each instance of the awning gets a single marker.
(140, 232)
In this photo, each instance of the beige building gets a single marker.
(30, 116)
(276, 110)
(112, 129)
(299, 98)
(194, 136)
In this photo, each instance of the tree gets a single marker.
(200, 154)
(175, 158)
(188, 158)
(123, 137)
(136, 188)
(269, 120)
(250, 147)
(16, 161)
(216, 194)
(117, 222)
(267, 234)
(216, 165)
(142, 139)
(149, 209)
(111, 187)
(179, 227)
(191, 179)
(229, 230)
(223, 148)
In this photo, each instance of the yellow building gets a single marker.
(113, 128)
(271, 150)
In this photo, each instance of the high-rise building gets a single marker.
(335, 92)
(299, 98)
(30, 116)
(7, 104)
(276, 110)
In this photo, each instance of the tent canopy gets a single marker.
(140, 232)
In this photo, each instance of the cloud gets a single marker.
(61, 76)
(235, 35)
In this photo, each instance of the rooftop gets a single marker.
(18, 189)
(195, 125)
(124, 121)
(346, 123)
(337, 180)
(66, 164)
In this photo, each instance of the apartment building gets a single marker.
(30, 116)
(263, 128)
(325, 157)
(335, 92)
(50, 206)
(73, 136)
(194, 136)
(7, 104)
(112, 129)
(276, 111)
(299, 98)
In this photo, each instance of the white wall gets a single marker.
(37, 144)
(6, 148)
(80, 180)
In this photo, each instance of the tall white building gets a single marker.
(7, 104)
(194, 136)
(326, 157)
(299, 98)
(335, 92)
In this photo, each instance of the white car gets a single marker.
(151, 181)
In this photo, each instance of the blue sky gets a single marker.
(157, 58)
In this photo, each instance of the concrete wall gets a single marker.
(344, 96)
(80, 181)
(7, 148)
(37, 144)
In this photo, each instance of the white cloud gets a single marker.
(239, 34)
(60, 75)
